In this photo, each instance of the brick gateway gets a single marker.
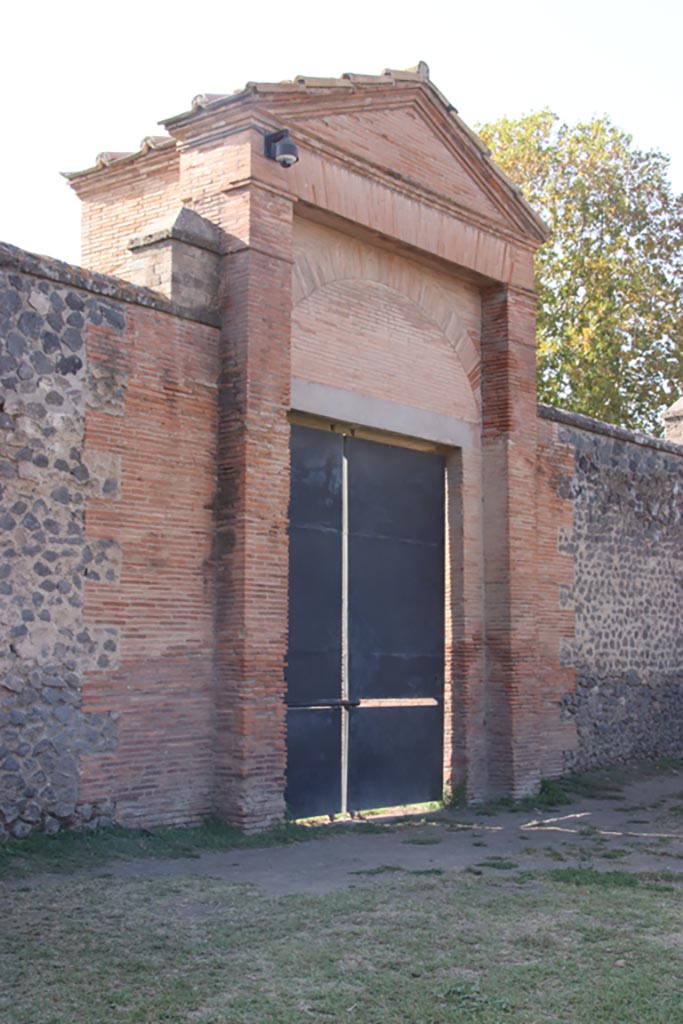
(378, 295)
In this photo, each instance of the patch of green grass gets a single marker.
(591, 932)
(553, 853)
(73, 851)
(602, 784)
(608, 783)
(662, 876)
(590, 877)
(468, 996)
(553, 794)
(661, 881)
(493, 807)
(598, 785)
(203, 951)
(657, 851)
(613, 854)
(500, 863)
(381, 869)
(455, 797)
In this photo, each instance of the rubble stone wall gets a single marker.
(626, 543)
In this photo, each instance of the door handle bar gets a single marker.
(323, 703)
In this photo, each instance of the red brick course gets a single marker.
(162, 605)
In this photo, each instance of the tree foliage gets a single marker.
(610, 277)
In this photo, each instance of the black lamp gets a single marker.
(279, 147)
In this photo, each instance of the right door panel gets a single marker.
(395, 623)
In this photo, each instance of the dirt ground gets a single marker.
(638, 827)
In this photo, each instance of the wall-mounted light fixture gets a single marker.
(279, 147)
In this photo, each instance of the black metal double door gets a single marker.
(366, 625)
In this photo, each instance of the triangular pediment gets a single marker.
(408, 133)
(397, 127)
(400, 141)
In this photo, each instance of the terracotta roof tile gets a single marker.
(206, 99)
(348, 82)
(151, 143)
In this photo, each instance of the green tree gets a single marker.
(610, 277)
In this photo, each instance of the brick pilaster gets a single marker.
(509, 461)
(251, 548)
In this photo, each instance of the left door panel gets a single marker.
(314, 660)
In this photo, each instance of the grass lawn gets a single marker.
(567, 945)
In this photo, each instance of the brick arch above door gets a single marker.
(369, 339)
(337, 265)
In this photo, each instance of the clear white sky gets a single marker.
(78, 78)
